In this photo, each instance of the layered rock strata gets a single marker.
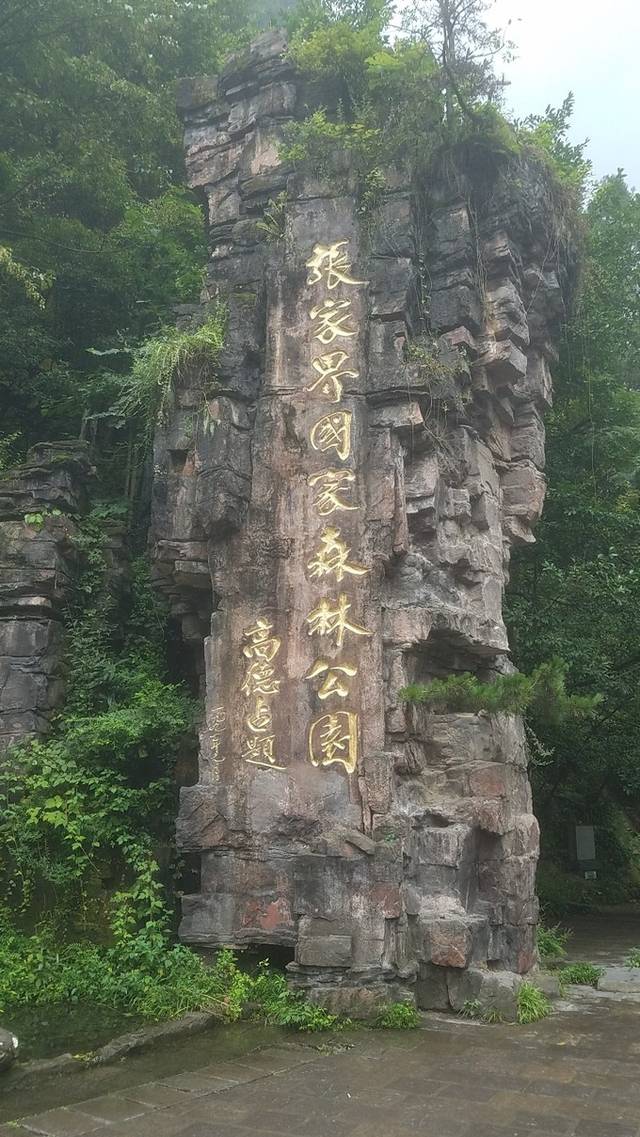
(38, 501)
(342, 516)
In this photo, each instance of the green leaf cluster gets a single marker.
(411, 102)
(84, 811)
(581, 974)
(272, 1003)
(575, 594)
(148, 976)
(542, 694)
(397, 1016)
(98, 239)
(551, 941)
(144, 392)
(548, 134)
(474, 1009)
(532, 1004)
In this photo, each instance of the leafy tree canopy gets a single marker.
(97, 237)
(576, 593)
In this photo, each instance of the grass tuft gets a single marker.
(583, 974)
(397, 1016)
(533, 1004)
(551, 941)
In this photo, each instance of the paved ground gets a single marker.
(576, 1073)
(604, 939)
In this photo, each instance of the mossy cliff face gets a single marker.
(37, 559)
(336, 524)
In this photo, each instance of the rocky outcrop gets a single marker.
(8, 1049)
(342, 513)
(37, 503)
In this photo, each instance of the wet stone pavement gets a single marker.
(576, 1073)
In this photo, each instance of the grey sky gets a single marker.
(592, 50)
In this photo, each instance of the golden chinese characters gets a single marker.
(331, 318)
(333, 432)
(259, 751)
(260, 647)
(260, 719)
(334, 738)
(329, 381)
(329, 485)
(330, 261)
(334, 682)
(259, 643)
(259, 679)
(332, 557)
(329, 619)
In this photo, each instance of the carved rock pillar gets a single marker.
(347, 504)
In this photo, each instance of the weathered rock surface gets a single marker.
(36, 562)
(337, 525)
(8, 1048)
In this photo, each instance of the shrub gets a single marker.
(146, 975)
(397, 1016)
(83, 811)
(561, 892)
(551, 941)
(473, 1009)
(633, 959)
(274, 1004)
(159, 361)
(543, 693)
(583, 974)
(318, 142)
(533, 1005)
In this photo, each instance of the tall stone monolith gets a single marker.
(333, 522)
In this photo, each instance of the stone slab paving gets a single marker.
(625, 980)
(604, 938)
(576, 1074)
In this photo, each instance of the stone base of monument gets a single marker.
(449, 989)
(445, 989)
(354, 993)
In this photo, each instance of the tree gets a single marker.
(97, 237)
(466, 47)
(576, 593)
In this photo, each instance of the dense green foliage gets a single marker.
(576, 593)
(633, 959)
(397, 1016)
(427, 100)
(83, 812)
(542, 694)
(97, 238)
(474, 1009)
(159, 361)
(151, 978)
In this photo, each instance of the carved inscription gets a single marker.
(332, 563)
(334, 737)
(261, 683)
